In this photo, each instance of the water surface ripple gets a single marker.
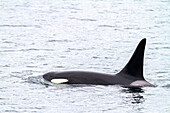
(56, 35)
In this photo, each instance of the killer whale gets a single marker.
(130, 76)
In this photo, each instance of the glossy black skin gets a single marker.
(82, 77)
(133, 71)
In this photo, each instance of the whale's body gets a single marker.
(130, 76)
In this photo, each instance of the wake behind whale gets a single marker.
(130, 76)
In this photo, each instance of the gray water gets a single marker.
(39, 36)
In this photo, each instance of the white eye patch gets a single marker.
(59, 81)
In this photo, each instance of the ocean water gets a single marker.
(40, 36)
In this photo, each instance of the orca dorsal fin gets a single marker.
(135, 65)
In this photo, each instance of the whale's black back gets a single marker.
(131, 74)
